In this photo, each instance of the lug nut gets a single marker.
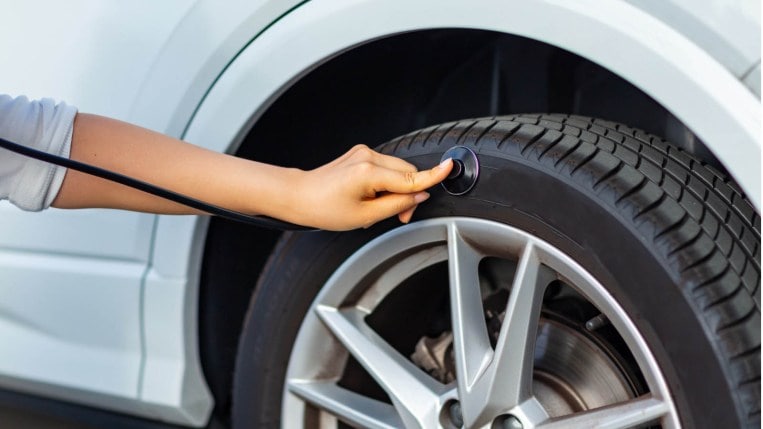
(454, 412)
(511, 422)
(596, 322)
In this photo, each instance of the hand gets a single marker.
(363, 187)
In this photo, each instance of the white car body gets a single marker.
(99, 307)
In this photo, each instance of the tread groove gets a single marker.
(681, 222)
(532, 142)
(410, 142)
(736, 322)
(609, 174)
(634, 190)
(746, 353)
(701, 260)
(485, 131)
(651, 206)
(551, 145)
(568, 152)
(688, 243)
(508, 135)
(465, 131)
(450, 128)
(723, 298)
(425, 140)
(585, 161)
(711, 280)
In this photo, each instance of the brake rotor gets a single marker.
(571, 373)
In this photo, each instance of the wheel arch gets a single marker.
(662, 63)
(243, 112)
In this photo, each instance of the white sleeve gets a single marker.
(41, 124)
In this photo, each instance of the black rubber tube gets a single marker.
(260, 221)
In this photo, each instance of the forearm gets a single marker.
(357, 189)
(223, 180)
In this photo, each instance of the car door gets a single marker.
(71, 281)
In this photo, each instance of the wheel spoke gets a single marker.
(414, 394)
(471, 343)
(470, 338)
(512, 367)
(507, 380)
(348, 406)
(642, 410)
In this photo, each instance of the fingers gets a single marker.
(406, 216)
(394, 163)
(406, 191)
(363, 153)
(388, 205)
(405, 182)
(383, 185)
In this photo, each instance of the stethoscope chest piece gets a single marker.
(466, 170)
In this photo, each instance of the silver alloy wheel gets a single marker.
(494, 385)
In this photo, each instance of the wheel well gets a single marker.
(377, 91)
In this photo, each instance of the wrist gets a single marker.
(291, 198)
(277, 193)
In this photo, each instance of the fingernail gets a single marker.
(445, 163)
(421, 197)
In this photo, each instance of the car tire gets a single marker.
(671, 243)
